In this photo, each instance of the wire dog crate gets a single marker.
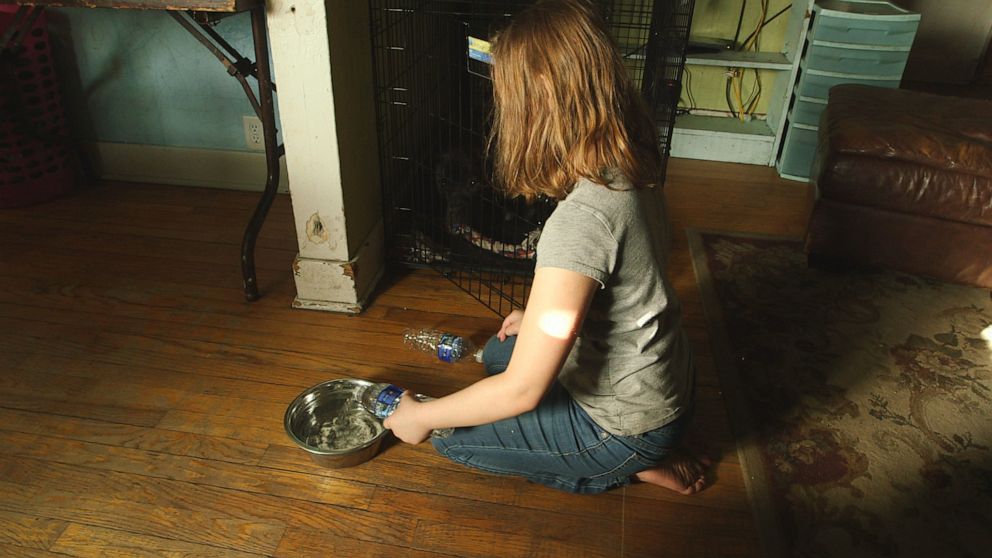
(433, 102)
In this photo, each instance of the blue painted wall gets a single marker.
(135, 76)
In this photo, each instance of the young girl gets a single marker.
(591, 386)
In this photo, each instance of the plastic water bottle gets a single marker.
(447, 346)
(382, 399)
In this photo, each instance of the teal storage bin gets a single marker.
(856, 59)
(807, 111)
(863, 23)
(817, 84)
(798, 151)
(863, 42)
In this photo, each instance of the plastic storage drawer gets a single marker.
(856, 59)
(807, 111)
(817, 84)
(897, 30)
(798, 152)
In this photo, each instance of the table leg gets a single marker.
(272, 153)
(241, 68)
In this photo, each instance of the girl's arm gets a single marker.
(558, 302)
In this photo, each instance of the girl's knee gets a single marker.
(440, 445)
(496, 354)
(446, 447)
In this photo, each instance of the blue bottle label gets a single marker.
(450, 347)
(387, 400)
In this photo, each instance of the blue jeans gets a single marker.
(557, 444)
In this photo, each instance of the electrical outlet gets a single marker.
(254, 139)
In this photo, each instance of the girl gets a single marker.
(591, 386)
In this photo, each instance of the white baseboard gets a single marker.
(183, 166)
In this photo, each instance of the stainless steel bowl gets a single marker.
(328, 422)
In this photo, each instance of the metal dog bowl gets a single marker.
(329, 423)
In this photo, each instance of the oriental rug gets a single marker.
(861, 401)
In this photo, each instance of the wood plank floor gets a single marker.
(141, 398)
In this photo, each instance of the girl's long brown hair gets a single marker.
(565, 108)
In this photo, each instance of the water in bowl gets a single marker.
(346, 431)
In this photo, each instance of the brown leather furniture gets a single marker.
(904, 180)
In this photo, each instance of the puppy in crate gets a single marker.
(478, 213)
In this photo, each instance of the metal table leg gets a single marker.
(272, 153)
(240, 68)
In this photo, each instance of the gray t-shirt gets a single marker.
(631, 366)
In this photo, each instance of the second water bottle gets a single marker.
(447, 346)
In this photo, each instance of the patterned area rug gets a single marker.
(862, 401)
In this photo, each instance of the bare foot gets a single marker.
(682, 472)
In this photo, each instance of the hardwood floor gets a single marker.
(141, 399)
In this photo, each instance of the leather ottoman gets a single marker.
(904, 180)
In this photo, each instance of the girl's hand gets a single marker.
(511, 325)
(405, 423)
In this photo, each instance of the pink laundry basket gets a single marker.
(35, 153)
